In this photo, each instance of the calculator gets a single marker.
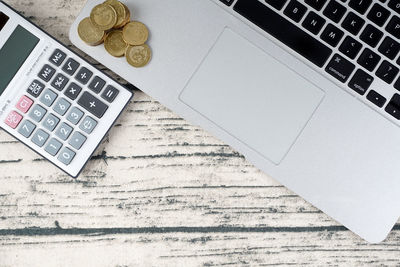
(51, 99)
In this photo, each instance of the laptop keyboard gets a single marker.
(353, 41)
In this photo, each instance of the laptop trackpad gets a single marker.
(252, 96)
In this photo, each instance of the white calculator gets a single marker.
(51, 99)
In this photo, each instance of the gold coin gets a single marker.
(128, 15)
(138, 56)
(115, 44)
(135, 33)
(90, 34)
(103, 16)
(121, 12)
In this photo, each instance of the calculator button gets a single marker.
(77, 140)
(64, 131)
(40, 137)
(61, 106)
(110, 93)
(13, 119)
(88, 125)
(47, 73)
(36, 88)
(92, 104)
(53, 147)
(73, 91)
(66, 156)
(26, 129)
(48, 97)
(97, 84)
(84, 75)
(37, 113)
(51, 122)
(24, 104)
(59, 82)
(70, 66)
(75, 115)
(58, 57)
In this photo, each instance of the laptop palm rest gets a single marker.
(252, 96)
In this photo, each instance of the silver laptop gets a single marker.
(307, 90)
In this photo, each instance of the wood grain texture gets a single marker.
(160, 192)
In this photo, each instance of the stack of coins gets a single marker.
(111, 23)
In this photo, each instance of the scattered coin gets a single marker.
(121, 13)
(103, 16)
(115, 44)
(138, 56)
(89, 33)
(135, 33)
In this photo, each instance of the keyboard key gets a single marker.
(389, 48)
(53, 147)
(64, 131)
(46, 73)
(13, 119)
(278, 4)
(75, 115)
(24, 104)
(92, 104)
(51, 122)
(110, 94)
(350, 47)
(66, 156)
(57, 57)
(73, 91)
(97, 84)
(295, 10)
(332, 35)
(313, 22)
(62, 106)
(59, 82)
(84, 75)
(227, 2)
(387, 72)
(26, 129)
(371, 35)
(283, 30)
(369, 59)
(88, 125)
(378, 14)
(394, 5)
(393, 108)
(37, 113)
(40, 137)
(353, 23)
(70, 66)
(376, 98)
(340, 68)
(360, 6)
(48, 97)
(334, 11)
(77, 140)
(361, 82)
(317, 4)
(393, 26)
(36, 88)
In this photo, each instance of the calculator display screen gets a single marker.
(13, 54)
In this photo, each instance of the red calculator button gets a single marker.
(13, 119)
(24, 104)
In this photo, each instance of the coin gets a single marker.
(121, 12)
(115, 44)
(128, 15)
(135, 33)
(138, 56)
(90, 34)
(103, 16)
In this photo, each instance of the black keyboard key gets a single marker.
(334, 11)
(73, 90)
(376, 98)
(394, 5)
(393, 108)
(340, 68)
(378, 14)
(361, 82)
(313, 22)
(389, 48)
(393, 26)
(350, 47)
(47, 73)
(278, 4)
(353, 23)
(97, 84)
(284, 30)
(58, 57)
(110, 93)
(360, 6)
(92, 104)
(387, 72)
(371, 35)
(36, 88)
(332, 35)
(317, 4)
(59, 82)
(70, 66)
(397, 84)
(369, 59)
(295, 10)
(84, 75)
(227, 2)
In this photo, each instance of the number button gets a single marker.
(97, 84)
(26, 129)
(37, 113)
(77, 140)
(40, 137)
(73, 91)
(88, 125)
(70, 66)
(13, 119)
(66, 156)
(64, 131)
(47, 73)
(59, 82)
(110, 93)
(75, 115)
(58, 57)
(84, 75)
(24, 104)
(61, 106)
(51, 122)
(36, 88)
(48, 97)
(53, 147)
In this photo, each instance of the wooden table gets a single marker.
(160, 192)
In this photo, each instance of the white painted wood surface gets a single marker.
(160, 192)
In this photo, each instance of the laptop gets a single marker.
(307, 91)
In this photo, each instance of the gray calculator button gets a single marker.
(51, 122)
(59, 82)
(77, 140)
(26, 128)
(48, 97)
(57, 57)
(97, 84)
(88, 125)
(64, 131)
(47, 73)
(84, 75)
(40, 137)
(61, 106)
(53, 147)
(75, 115)
(36, 88)
(37, 113)
(70, 66)
(66, 156)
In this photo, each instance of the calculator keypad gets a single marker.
(51, 122)
(84, 75)
(92, 104)
(70, 66)
(26, 129)
(73, 90)
(48, 97)
(24, 104)
(37, 113)
(61, 106)
(40, 137)
(57, 57)
(36, 88)
(59, 82)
